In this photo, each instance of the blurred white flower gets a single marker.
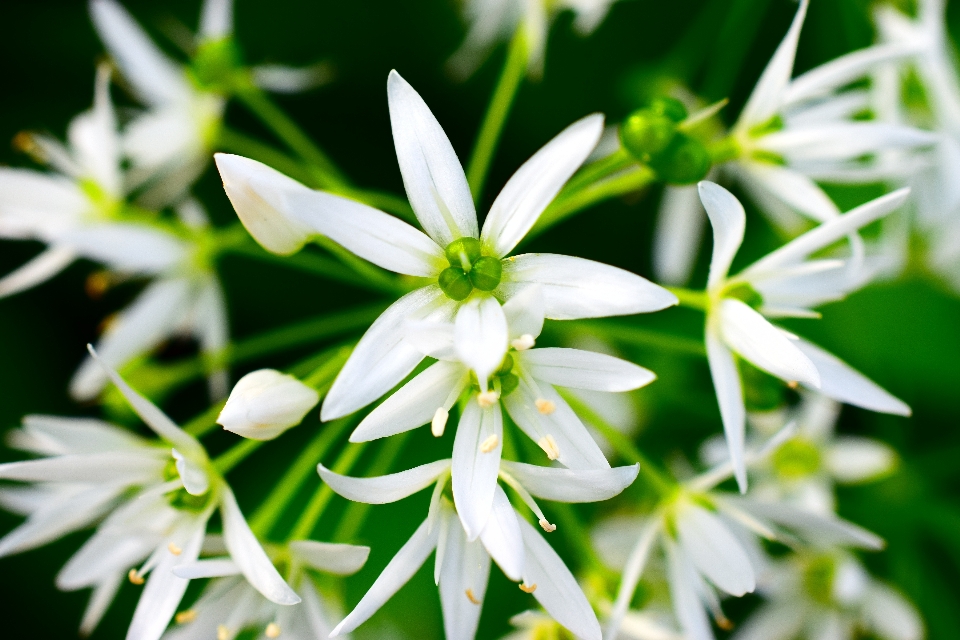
(471, 269)
(463, 562)
(265, 403)
(785, 283)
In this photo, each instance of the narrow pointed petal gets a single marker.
(384, 489)
(525, 312)
(557, 590)
(61, 436)
(572, 485)
(100, 468)
(715, 551)
(891, 616)
(338, 559)
(193, 476)
(100, 600)
(814, 528)
(687, 605)
(781, 621)
(474, 471)
(854, 459)
(636, 562)
(575, 288)
(216, 19)
(383, 358)
(726, 382)
(792, 188)
(728, 220)
(246, 551)
(501, 537)
(840, 381)
(432, 175)
(401, 568)
(678, 235)
(580, 369)
(213, 568)
(536, 184)
(480, 336)
(463, 581)
(129, 247)
(38, 270)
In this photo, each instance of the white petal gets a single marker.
(557, 590)
(728, 221)
(216, 19)
(572, 485)
(852, 459)
(792, 188)
(382, 358)
(726, 382)
(261, 197)
(480, 336)
(464, 575)
(38, 205)
(891, 616)
(836, 141)
(155, 78)
(415, 403)
(95, 141)
(279, 78)
(633, 568)
(101, 468)
(768, 94)
(214, 568)
(678, 234)
(60, 436)
(100, 600)
(536, 184)
(38, 270)
(401, 568)
(474, 472)
(432, 175)
(841, 382)
(584, 369)
(338, 559)
(501, 537)
(369, 233)
(764, 345)
(193, 476)
(384, 489)
(127, 247)
(265, 403)
(246, 551)
(715, 551)
(817, 529)
(575, 288)
(780, 621)
(687, 605)
(434, 339)
(525, 312)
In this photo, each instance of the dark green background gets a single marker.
(905, 335)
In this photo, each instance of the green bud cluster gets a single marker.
(509, 381)
(652, 135)
(469, 269)
(215, 63)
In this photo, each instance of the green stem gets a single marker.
(497, 112)
(690, 298)
(235, 455)
(270, 510)
(205, 422)
(598, 170)
(321, 498)
(645, 337)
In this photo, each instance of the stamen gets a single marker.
(272, 630)
(97, 284)
(523, 343)
(489, 444)
(549, 528)
(174, 549)
(186, 616)
(549, 446)
(546, 407)
(793, 384)
(723, 622)
(134, 577)
(472, 598)
(439, 422)
(527, 589)
(222, 632)
(487, 399)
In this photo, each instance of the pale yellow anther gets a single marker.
(222, 632)
(793, 384)
(523, 343)
(472, 598)
(489, 444)
(272, 630)
(186, 616)
(439, 422)
(528, 589)
(549, 446)
(174, 549)
(134, 576)
(487, 399)
(546, 407)
(549, 528)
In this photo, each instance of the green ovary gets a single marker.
(469, 269)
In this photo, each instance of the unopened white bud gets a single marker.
(439, 422)
(523, 343)
(265, 403)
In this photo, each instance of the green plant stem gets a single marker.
(658, 481)
(356, 514)
(321, 498)
(235, 455)
(690, 298)
(600, 169)
(270, 510)
(645, 337)
(497, 112)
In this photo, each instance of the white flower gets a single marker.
(230, 606)
(265, 403)
(829, 595)
(92, 472)
(785, 283)
(470, 268)
(463, 564)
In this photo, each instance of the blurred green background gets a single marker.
(904, 335)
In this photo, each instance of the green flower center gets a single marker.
(469, 269)
(818, 576)
(745, 293)
(796, 458)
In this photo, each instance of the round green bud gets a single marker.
(796, 458)
(508, 384)
(455, 283)
(486, 273)
(463, 253)
(645, 133)
(670, 107)
(684, 161)
(506, 366)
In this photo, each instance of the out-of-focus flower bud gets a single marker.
(265, 403)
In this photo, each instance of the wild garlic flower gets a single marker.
(709, 540)
(230, 607)
(828, 595)
(470, 271)
(157, 501)
(536, 625)
(785, 283)
(265, 403)
(521, 383)
(463, 562)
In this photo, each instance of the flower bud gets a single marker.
(463, 252)
(645, 133)
(486, 273)
(455, 283)
(669, 107)
(265, 403)
(684, 161)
